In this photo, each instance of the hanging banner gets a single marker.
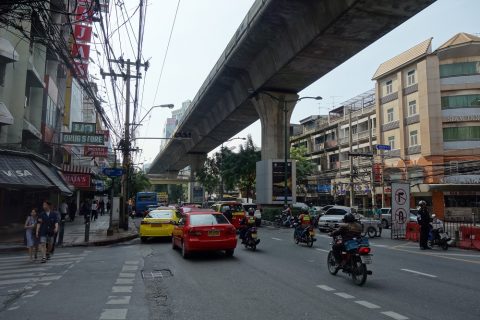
(80, 69)
(83, 14)
(81, 51)
(82, 33)
(91, 151)
(77, 180)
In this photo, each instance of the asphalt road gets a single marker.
(281, 280)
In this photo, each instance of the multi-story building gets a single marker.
(428, 106)
(334, 144)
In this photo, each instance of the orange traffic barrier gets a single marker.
(413, 231)
(469, 237)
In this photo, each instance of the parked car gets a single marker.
(258, 212)
(386, 216)
(204, 230)
(300, 205)
(333, 217)
(158, 223)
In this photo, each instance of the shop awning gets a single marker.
(20, 172)
(55, 177)
(7, 52)
(454, 187)
(5, 115)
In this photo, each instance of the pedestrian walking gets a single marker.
(30, 234)
(101, 207)
(47, 226)
(63, 210)
(61, 222)
(72, 210)
(85, 211)
(94, 210)
(424, 222)
(109, 207)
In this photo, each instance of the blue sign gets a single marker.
(383, 147)
(113, 172)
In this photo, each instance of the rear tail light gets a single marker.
(364, 250)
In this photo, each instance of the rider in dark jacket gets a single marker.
(246, 223)
(424, 222)
(348, 230)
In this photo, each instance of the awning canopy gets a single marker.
(454, 187)
(7, 52)
(5, 115)
(22, 172)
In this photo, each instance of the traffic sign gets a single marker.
(383, 147)
(113, 172)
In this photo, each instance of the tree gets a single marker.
(138, 182)
(304, 166)
(208, 175)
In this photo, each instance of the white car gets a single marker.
(333, 217)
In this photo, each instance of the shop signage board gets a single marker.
(77, 179)
(84, 127)
(77, 138)
(113, 172)
(92, 151)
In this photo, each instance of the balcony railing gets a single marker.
(390, 126)
(413, 119)
(410, 89)
(334, 165)
(393, 153)
(414, 149)
(390, 97)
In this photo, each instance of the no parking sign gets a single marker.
(400, 209)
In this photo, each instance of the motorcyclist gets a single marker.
(287, 215)
(305, 221)
(349, 229)
(246, 223)
(424, 222)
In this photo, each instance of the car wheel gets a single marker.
(229, 252)
(372, 233)
(174, 247)
(384, 224)
(143, 239)
(185, 253)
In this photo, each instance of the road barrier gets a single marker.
(469, 237)
(413, 231)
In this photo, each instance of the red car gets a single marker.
(204, 230)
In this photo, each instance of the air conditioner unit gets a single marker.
(319, 167)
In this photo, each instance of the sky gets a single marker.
(203, 29)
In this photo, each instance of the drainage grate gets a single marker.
(156, 274)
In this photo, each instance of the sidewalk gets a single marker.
(75, 235)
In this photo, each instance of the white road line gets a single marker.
(326, 288)
(114, 314)
(420, 273)
(28, 280)
(278, 239)
(118, 300)
(322, 250)
(380, 245)
(394, 315)
(31, 294)
(270, 227)
(367, 304)
(323, 236)
(25, 257)
(13, 308)
(127, 289)
(344, 295)
(129, 268)
(124, 281)
(27, 274)
(131, 262)
(126, 275)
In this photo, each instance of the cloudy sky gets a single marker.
(204, 27)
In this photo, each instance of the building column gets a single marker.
(196, 164)
(272, 117)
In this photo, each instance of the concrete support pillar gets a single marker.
(271, 107)
(196, 164)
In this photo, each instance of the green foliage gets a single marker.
(138, 182)
(270, 213)
(304, 166)
(208, 175)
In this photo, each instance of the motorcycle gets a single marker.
(354, 259)
(304, 235)
(251, 239)
(284, 220)
(437, 236)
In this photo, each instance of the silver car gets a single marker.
(333, 217)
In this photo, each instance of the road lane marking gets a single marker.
(420, 273)
(124, 281)
(13, 308)
(394, 315)
(322, 250)
(118, 299)
(126, 275)
(367, 304)
(278, 239)
(114, 314)
(344, 295)
(326, 288)
(129, 268)
(131, 262)
(127, 289)
(437, 255)
(31, 294)
(29, 280)
(380, 245)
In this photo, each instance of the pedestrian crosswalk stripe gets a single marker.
(57, 255)
(29, 280)
(26, 274)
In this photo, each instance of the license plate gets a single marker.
(156, 225)
(254, 235)
(366, 259)
(213, 233)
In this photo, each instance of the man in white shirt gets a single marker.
(94, 210)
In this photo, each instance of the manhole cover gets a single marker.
(156, 274)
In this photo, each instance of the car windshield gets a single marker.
(207, 219)
(336, 212)
(160, 214)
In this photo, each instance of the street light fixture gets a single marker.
(285, 110)
(169, 106)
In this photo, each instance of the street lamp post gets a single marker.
(285, 110)
(169, 106)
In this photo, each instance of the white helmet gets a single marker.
(422, 203)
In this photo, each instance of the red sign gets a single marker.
(377, 172)
(81, 51)
(82, 33)
(80, 69)
(78, 180)
(91, 151)
(83, 14)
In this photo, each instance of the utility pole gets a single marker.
(350, 142)
(126, 145)
(372, 175)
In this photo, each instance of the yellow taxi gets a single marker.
(158, 223)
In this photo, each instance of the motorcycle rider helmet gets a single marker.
(251, 212)
(422, 203)
(349, 218)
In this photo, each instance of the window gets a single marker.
(161, 214)
(464, 101)
(459, 69)
(411, 78)
(390, 115)
(389, 86)
(414, 138)
(412, 108)
(461, 134)
(391, 142)
(335, 212)
(207, 219)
